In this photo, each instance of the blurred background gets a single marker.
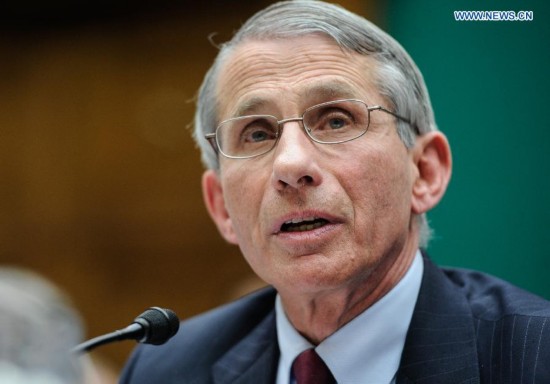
(100, 180)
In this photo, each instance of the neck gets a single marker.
(318, 315)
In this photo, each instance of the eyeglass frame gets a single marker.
(212, 137)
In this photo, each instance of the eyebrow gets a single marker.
(330, 90)
(250, 106)
(326, 91)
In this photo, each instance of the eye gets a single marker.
(258, 130)
(256, 136)
(336, 123)
(334, 119)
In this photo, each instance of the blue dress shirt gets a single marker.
(368, 348)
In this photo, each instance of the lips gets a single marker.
(306, 232)
(303, 224)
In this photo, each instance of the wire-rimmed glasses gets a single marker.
(332, 122)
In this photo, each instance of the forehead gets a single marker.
(301, 71)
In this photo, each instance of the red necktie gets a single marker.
(309, 368)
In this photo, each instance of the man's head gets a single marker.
(333, 210)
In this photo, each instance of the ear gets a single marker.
(432, 158)
(212, 193)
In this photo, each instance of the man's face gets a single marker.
(311, 216)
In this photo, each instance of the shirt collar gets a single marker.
(368, 348)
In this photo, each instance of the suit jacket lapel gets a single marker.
(440, 345)
(253, 360)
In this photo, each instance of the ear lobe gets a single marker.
(212, 193)
(432, 157)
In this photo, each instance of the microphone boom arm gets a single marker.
(130, 332)
(154, 326)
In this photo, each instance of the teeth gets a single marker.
(296, 221)
(303, 224)
(308, 227)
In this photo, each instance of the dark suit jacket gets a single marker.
(467, 327)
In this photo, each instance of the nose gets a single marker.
(295, 160)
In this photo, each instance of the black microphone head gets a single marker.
(159, 324)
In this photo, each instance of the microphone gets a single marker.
(154, 326)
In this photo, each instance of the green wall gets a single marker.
(490, 87)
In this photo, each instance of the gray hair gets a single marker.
(397, 77)
(38, 328)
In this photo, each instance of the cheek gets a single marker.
(379, 186)
(243, 191)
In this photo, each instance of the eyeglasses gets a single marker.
(332, 122)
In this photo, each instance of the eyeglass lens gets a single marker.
(332, 122)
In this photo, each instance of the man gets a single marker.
(323, 157)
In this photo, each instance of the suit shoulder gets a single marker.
(199, 343)
(512, 328)
(492, 298)
(250, 310)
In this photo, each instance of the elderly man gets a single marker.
(323, 157)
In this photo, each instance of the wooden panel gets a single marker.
(100, 178)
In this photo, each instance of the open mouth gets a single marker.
(301, 225)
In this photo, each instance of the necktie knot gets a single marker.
(309, 368)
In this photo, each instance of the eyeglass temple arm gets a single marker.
(211, 137)
(381, 108)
